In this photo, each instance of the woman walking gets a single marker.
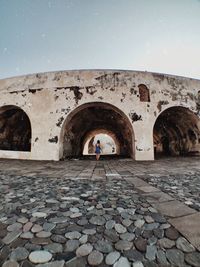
(97, 150)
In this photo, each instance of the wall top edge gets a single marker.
(75, 71)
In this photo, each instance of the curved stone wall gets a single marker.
(138, 100)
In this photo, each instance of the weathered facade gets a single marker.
(50, 116)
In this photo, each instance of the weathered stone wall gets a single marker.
(52, 100)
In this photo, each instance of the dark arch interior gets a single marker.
(90, 118)
(15, 129)
(144, 93)
(177, 133)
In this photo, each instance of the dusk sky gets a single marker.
(148, 35)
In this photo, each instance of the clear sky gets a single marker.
(148, 35)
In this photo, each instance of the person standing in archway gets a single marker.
(98, 149)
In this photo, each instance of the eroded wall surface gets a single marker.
(63, 107)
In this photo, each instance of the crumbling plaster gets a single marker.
(49, 98)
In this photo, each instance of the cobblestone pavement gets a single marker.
(88, 213)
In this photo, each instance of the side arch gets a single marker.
(15, 129)
(176, 132)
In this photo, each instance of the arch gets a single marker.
(176, 132)
(15, 129)
(92, 116)
(89, 139)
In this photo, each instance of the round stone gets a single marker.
(120, 209)
(151, 226)
(159, 233)
(22, 220)
(99, 206)
(149, 219)
(175, 257)
(166, 243)
(51, 201)
(40, 256)
(103, 246)
(141, 244)
(120, 228)
(184, 245)
(54, 248)
(66, 188)
(58, 238)
(97, 220)
(57, 220)
(95, 258)
(138, 264)
(75, 210)
(36, 228)
(27, 235)
(90, 208)
(127, 222)
(14, 227)
(122, 245)
(44, 234)
(10, 264)
(89, 231)
(76, 215)
(48, 226)
(110, 224)
(193, 258)
(127, 236)
(139, 223)
(72, 245)
(27, 227)
(112, 257)
(161, 258)
(73, 235)
(19, 254)
(122, 262)
(171, 233)
(133, 255)
(152, 210)
(151, 253)
(165, 226)
(83, 239)
(84, 250)
(152, 240)
(39, 214)
(83, 221)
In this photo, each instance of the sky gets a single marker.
(146, 35)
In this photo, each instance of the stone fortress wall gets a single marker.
(50, 116)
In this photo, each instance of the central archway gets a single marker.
(91, 117)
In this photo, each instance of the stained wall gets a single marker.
(63, 107)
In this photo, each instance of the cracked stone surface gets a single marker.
(88, 213)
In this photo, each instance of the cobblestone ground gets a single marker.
(182, 187)
(86, 213)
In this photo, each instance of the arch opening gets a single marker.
(177, 133)
(109, 143)
(15, 129)
(91, 119)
